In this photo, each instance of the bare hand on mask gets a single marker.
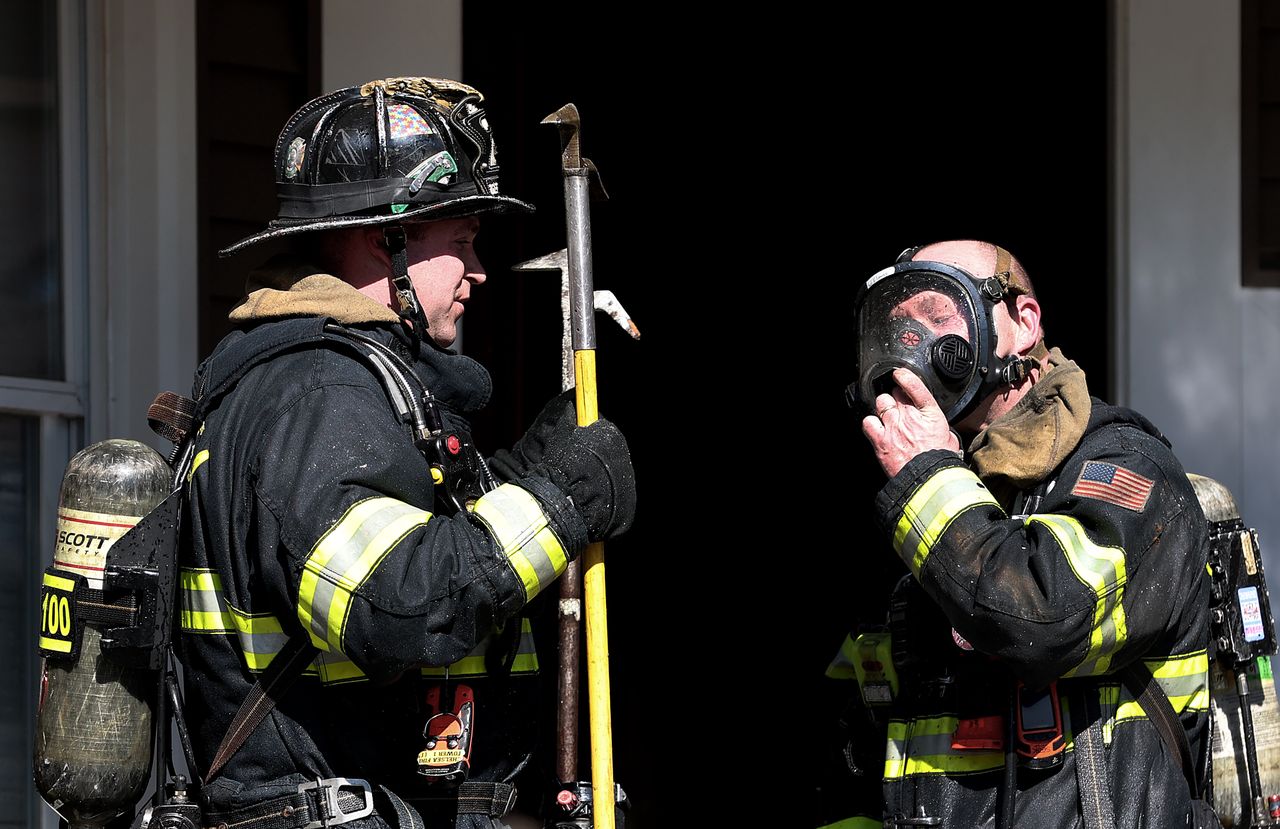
(907, 423)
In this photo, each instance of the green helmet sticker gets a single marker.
(438, 168)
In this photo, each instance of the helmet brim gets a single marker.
(452, 209)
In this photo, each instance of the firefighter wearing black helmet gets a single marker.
(1057, 590)
(321, 524)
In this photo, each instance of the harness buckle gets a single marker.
(331, 810)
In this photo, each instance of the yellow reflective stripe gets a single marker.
(855, 823)
(842, 667)
(525, 661)
(344, 557)
(201, 606)
(923, 746)
(59, 645)
(895, 750)
(931, 509)
(204, 609)
(1184, 680)
(1101, 569)
(517, 523)
(335, 668)
(200, 458)
(59, 583)
(1109, 703)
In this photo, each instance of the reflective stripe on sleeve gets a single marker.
(342, 560)
(1102, 570)
(471, 665)
(517, 523)
(931, 509)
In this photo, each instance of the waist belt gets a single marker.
(474, 797)
(337, 800)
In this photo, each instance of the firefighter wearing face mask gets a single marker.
(339, 514)
(1057, 561)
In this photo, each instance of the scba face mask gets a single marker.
(937, 321)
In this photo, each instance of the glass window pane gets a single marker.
(31, 337)
(19, 438)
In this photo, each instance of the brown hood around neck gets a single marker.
(1029, 441)
(287, 287)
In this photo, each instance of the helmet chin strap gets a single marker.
(410, 310)
(1017, 369)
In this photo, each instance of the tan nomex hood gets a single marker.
(1029, 441)
(288, 287)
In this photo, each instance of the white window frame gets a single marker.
(61, 407)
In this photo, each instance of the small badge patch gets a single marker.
(1113, 484)
(293, 162)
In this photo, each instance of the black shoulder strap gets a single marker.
(1156, 703)
(1095, 796)
(233, 359)
(287, 666)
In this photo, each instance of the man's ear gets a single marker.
(1027, 322)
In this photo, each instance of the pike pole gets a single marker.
(577, 174)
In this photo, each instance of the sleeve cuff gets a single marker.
(564, 517)
(535, 531)
(894, 495)
(918, 506)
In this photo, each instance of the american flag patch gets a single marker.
(407, 121)
(1113, 484)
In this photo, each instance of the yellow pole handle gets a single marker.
(593, 593)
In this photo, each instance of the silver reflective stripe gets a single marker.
(473, 664)
(343, 559)
(1102, 569)
(522, 531)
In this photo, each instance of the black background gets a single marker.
(760, 167)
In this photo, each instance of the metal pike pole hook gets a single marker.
(578, 172)
(570, 607)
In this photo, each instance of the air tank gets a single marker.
(94, 721)
(1232, 764)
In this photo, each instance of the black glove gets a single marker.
(558, 416)
(592, 465)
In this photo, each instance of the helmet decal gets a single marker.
(407, 122)
(439, 168)
(297, 152)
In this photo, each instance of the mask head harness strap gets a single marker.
(1014, 369)
(410, 309)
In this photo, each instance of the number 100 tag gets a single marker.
(59, 626)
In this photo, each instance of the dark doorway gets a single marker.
(256, 62)
(759, 170)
